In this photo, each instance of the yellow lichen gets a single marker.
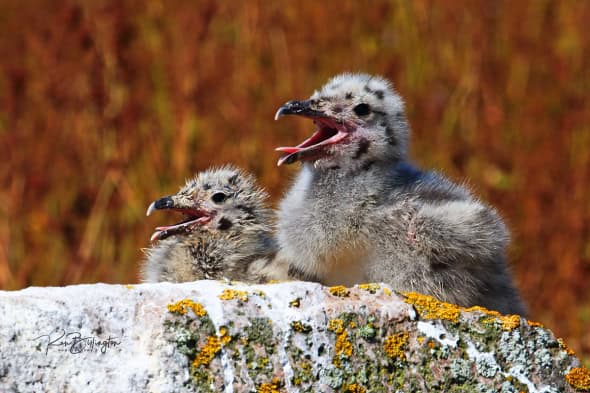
(295, 303)
(129, 286)
(354, 388)
(430, 308)
(336, 325)
(394, 345)
(490, 320)
(420, 339)
(579, 378)
(269, 387)
(224, 338)
(352, 325)
(300, 327)
(373, 288)
(211, 348)
(230, 294)
(564, 346)
(259, 293)
(342, 347)
(182, 306)
(509, 322)
(387, 291)
(339, 290)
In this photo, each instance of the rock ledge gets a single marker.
(209, 336)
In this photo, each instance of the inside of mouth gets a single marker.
(187, 219)
(161, 233)
(322, 134)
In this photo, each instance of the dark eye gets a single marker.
(218, 197)
(362, 109)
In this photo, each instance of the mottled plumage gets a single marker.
(358, 211)
(227, 232)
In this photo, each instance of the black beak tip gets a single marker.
(301, 108)
(162, 203)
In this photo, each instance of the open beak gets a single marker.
(193, 217)
(329, 131)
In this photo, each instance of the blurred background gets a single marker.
(108, 105)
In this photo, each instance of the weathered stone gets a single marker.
(209, 336)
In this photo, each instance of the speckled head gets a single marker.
(358, 118)
(224, 198)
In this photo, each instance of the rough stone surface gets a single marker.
(208, 336)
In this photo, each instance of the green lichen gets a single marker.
(361, 351)
(258, 345)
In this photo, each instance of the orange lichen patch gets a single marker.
(230, 294)
(431, 345)
(373, 288)
(182, 306)
(211, 348)
(483, 310)
(394, 345)
(342, 347)
(269, 387)
(339, 290)
(354, 388)
(564, 346)
(535, 324)
(509, 322)
(579, 378)
(430, 308)
(208, 352)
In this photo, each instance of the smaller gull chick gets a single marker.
(226, 232)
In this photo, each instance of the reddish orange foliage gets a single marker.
(105, 106)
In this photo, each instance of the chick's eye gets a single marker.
(362, 109)
(218, 197)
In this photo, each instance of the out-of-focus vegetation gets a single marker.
(107, 105)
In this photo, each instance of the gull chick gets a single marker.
(359, 211)
(226, 232)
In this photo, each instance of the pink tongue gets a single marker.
(288, 150)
